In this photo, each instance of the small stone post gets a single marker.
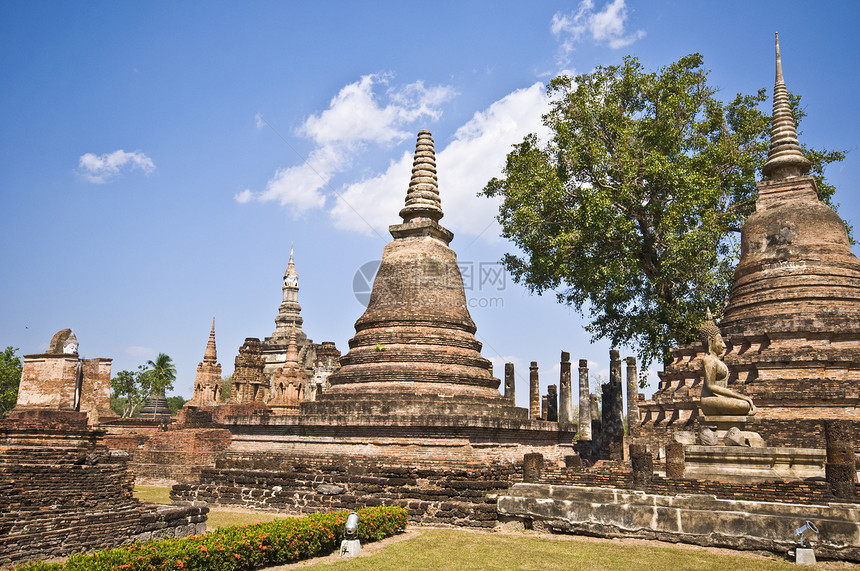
(839, 469)
(675, 464)
(632, 394)
(584, 402)
(544, 407)
(643, 466)
(510, 384)
(552, 403)
(534, 392)
(532, 467)
(565, 416)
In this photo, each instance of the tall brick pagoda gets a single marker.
(792, 323)
(414, 352)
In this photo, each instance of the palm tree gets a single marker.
(162, 374)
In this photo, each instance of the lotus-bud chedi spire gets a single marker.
(210, 355)
(422, 198)
(785, 159)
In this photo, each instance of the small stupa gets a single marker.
(289, 382)
(414, 352)
(207, 383)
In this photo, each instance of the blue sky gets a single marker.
(154, 156)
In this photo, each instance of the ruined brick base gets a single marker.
(62, 491)
(438, 495)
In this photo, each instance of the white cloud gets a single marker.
(244, 196)
(102, 168)
(139, 351)
(606, 26)
(475, 155)
(362, 113)
(373, 203)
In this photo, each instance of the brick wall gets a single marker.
(62, 492)
(440, 495)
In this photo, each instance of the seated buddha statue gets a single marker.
(717, 398)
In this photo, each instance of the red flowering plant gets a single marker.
(239, 547)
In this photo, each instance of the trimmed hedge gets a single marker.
(239, 547)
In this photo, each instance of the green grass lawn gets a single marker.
(153, 494)
(454, 549)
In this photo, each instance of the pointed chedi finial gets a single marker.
(422, 198)
(211, 355)
(785, 158)
(291, 275)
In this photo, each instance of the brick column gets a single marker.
(552, 403)
(565, 416)
(675, 464)
(534, 392)
(643, 466)
(584, 402)
(632, 393)
(510, 384)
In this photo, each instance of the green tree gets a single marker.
(129, 390)
(10, 378)
(226, 388)
(174, 403)
(163, 373)
(630, 211)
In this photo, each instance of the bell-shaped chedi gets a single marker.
(797, 272)
(414, 351)
(792, 323)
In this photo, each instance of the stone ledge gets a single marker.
(696, 519)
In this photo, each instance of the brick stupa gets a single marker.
(207, 383)
(414, 352)
(792, 323)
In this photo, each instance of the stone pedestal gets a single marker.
(350, 548)
(804, 556)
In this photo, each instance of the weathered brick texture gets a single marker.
(438, 495)
(62, 491)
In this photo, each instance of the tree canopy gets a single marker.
(630, 211)
(130, 390)
(163, 373)
(10, 378)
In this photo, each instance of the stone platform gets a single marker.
(740, 464)
(697, 519)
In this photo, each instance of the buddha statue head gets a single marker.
(709, 333)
